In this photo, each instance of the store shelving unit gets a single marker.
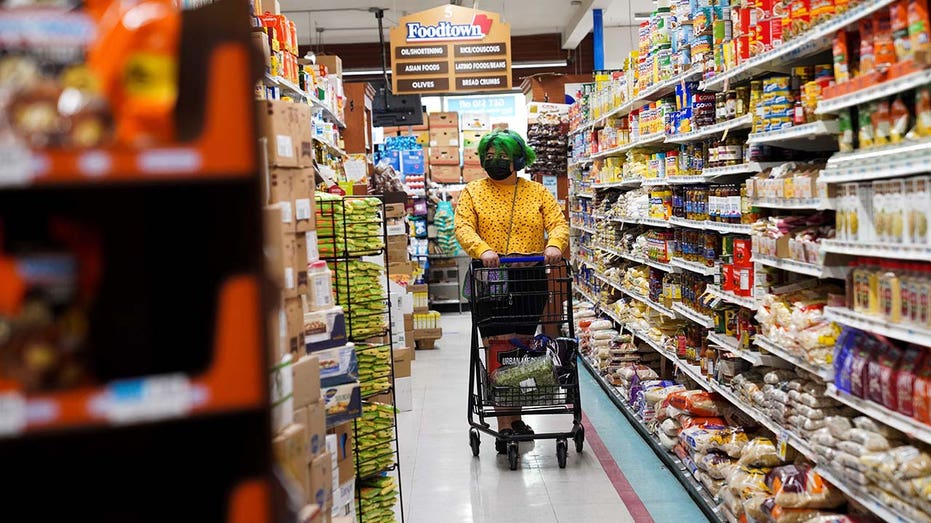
(795, 204)
(808, 269)
(858, 320)
(747, 302)
(711, 131)
(730, 344)
(679, 470)
(295, 90)
(874, 92)
(877, 250)
(697, 268)
(814, 136)
(645, 261)
(741, 168)
(725, 228)
(909, 426)
(697, 317)
(825, 373)
(889, 161)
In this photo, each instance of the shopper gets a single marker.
(502, 215)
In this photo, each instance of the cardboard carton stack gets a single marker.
(474, 127)
(444, 148)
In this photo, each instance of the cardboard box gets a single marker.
(444, 156)
(409, 322)
(398, 255)
(281, 384)
(277, 121)
(445, 173)
(313, 250)
(333, 63)
(471, 173)
(428, 334)
(343, 403)
(301, 261)
(400, 268)
(290, 450)
(289, 255)
(294, 335)
(404, 394)
(302, 192)
(444, 137)
(345, 459)
(402, 362)
(423, 137)
(470, 139)
(320, 472)
(395, 210)
(306, 373)
(269, 6)
(470, 158)
(447, 119)
(316, 429)
(396, 227)
(338, 365)
(413, 162)
(426, 344)
(273, 248)
(475, 122)
(279, 196)
(344, 502)
(397, 242)
(324, 329)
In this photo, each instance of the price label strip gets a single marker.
(12, 413)
(146, 399)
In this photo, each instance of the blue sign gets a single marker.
(502, 106)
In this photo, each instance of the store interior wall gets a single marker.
(619, 41)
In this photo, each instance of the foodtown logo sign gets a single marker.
(443, 30)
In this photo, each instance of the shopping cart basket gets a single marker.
(523, 295)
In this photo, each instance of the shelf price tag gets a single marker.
(15, 165)
(12, 413)
(782, 444)
(144, 399)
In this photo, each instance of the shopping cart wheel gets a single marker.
(579, 438)
(562, 448)
(474, 441)
(512, 455)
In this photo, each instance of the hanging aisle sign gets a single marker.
(451, 49)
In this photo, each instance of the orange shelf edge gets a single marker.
(225, 148)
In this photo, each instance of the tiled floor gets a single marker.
(443, 482)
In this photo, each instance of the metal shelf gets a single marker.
(743, 122)
(814, 136)
(793, 203)
(654, 222)
(637, 259)
(730, 344)
(877, 250)
(331, 146)
(742, 301)
(863, 497)
(825, 373)
(817, 39)
(697, 268)
(808, 269)
(695, 490)
(890, 161)
(874, 92)
(877, 325)
(695, 316)
(742, 168)
(295, 89)
(632, 183)
(726, 228)
(911, 427)
(655, 92)
(646, 140)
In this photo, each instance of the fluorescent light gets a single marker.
(538, 65)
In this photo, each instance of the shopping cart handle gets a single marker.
(522, 259)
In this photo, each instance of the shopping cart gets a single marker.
(520, 296)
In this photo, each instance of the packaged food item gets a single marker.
(866, 131)
(911, 361)
(698, 403)
(717, 466)
(800, 486)
(921, 398)
(845, 140)
(918, 25)
(882, 123)
(760, 452)
(883, 42)
(867, 52)
(901, 120)
(898, 14)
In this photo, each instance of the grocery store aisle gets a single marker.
(616, 479)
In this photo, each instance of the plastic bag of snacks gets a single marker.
(800, 486)
(760, 452)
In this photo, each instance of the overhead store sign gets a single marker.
(450, 49)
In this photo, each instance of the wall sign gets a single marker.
(451, 49)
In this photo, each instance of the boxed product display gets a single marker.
(324, 329)
(338, 365)
(342, 402)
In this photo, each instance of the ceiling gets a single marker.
(330, 22)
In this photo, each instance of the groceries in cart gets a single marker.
(542, 361)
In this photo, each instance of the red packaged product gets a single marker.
(921, 398)
(867, 53)
(727, 277)
(743, 252)
(858, 367)
(883, 42)
(686, 421)
(697, 403)
(888, 362)
(911, 362)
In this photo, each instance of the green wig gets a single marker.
(511, 144)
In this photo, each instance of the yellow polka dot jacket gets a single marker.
(483, 218)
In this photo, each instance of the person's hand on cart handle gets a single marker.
(490, 259)
(552, 255)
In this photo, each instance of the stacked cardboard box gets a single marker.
(444, 148)
(474, 127)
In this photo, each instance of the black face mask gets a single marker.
(498, 169)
